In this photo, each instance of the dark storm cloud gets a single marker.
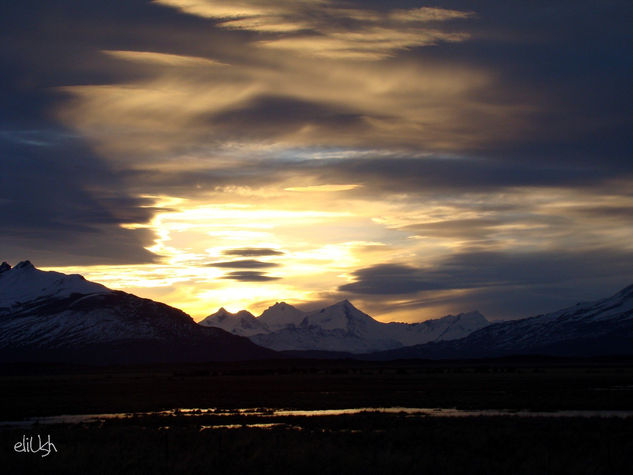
(567, 57)
(249, 276)
(470, 269)
(624, 213)
(59, 204)
(467, 270)
(457, 174)
(252, 252)
(568, 61)
(508, 302)
(501, 285)
(269, 116)
(389, 279)
(458, 228)
(380, 176)
(563, 63)
(243, 264)
(482, 229)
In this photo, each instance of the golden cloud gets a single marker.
(162, 59)
(206, 108)
(329, 29)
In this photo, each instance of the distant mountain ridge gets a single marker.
(601, 327)
(24, 283)
(242, 323)
(280, 315)
(54, 317)
(340, 327)
(57, 317)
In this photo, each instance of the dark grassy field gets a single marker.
(368, 444)
(548, 385)
(362, 443)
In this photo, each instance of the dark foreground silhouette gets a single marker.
(207, 442)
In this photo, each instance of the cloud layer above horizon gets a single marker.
(418, 159)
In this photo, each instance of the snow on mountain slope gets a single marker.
(281, 315)
(24, 283)
(343, 316)
(50, 308)
(242, 323)
(450, 327)
(315, 338)
(95, 318)
(585, 320)
(601, 327)
(339, 327)
(48, 316)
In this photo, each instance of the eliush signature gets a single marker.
(26, 445)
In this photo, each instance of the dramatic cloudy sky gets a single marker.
(416, 158)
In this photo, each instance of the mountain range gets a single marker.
(340, 327)
(54, 317)
(602, 327)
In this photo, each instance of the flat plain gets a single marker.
(221, 435)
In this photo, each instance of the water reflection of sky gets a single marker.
(269, 413)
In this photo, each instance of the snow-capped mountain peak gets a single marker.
(25, 283)
(50, 316)
(25, 265)
(600, 327)
(472, 318)
(281, 306)
(338, 327)
(342, 315)
(242, 323)
(221, 314)
(281, 315)
(462, 324)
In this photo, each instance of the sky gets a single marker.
(416, 158)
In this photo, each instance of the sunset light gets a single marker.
(316, 237)
(381, 153)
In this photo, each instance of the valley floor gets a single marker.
(210, 442)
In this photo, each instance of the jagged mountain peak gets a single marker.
(25, 283)
(342, 315)
(340, 305)
(241, 323)
(604, 309)
(350, 309)
(50, 316)
(282, 306)
(4, 267)
(343, 327)
(474, 315)
(622, 295)
(599, 327)
(24, 265)
(244, 313)
(222, 312)
(281, 315)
